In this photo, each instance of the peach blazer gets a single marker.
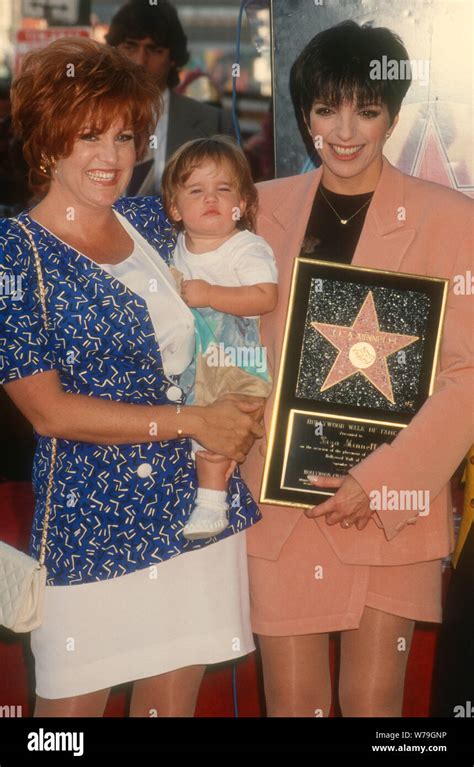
(411, 226)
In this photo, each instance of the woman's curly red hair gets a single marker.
(73, 83)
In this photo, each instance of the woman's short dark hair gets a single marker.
(138, 19)
(336, 66)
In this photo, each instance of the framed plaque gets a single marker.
(359, 358)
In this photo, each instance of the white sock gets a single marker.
(213, 498)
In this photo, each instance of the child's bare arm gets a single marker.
(244, 301)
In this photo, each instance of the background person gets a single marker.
(454, 668)
(152, 36)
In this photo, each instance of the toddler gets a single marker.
(227, 275)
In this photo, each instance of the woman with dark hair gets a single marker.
(381, 570)
(93, 343)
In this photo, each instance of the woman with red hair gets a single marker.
(95, 366)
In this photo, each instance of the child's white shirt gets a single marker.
(243, 259)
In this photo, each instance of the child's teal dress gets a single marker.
(229, 358)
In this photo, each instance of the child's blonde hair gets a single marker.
(218, 149)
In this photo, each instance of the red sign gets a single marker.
(32, 39)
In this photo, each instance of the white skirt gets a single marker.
(192, 609)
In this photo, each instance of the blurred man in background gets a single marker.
(152, 36)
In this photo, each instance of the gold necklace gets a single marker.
(343, 220)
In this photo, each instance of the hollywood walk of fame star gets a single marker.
(363, 348)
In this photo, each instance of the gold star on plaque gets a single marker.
(363, 348)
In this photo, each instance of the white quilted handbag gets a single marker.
(22, 578)
(22, 584)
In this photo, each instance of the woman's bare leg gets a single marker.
(92, 704)
(171, 694)
(296, 675)
(373, 665)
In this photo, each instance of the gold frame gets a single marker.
(276, 406)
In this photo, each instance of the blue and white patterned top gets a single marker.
(106, 519)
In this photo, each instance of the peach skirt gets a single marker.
(308, 590)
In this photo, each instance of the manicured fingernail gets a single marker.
(313, 477)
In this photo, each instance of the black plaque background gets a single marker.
(301, 432)
(308, 269)
(339, 302)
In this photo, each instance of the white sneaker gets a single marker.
(206, 522)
